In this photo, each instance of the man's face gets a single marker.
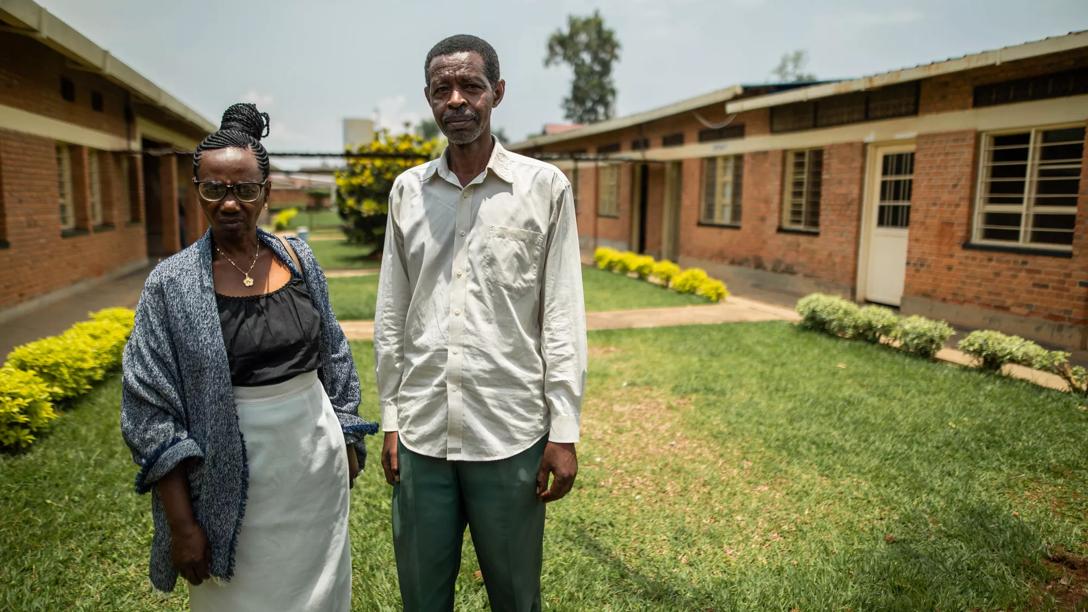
(461, 97)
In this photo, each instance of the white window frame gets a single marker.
(94, 177)
(787, 190)
(727, 191)
(64, 186)
(608, 191)
(1027, 208)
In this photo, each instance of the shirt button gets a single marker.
(454, 351)
(458, 274)
(456, 313)
(462, 234)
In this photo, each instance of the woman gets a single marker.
(239, 402)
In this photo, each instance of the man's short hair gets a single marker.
(460, 43)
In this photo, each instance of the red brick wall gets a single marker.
(939, 268)
(830, 255)
(38, 260)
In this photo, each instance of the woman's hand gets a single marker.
(190, 553)
(189, 550)
(353, 466)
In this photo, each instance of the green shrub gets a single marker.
(921, 336)
(71, 362)
(643, 265)
(282, 219)
(713, 290)
(604, 257)
(829, 314)
(25, 409)
(123, 316)
(994, 349)
(874, 322)
(664, 271)
(689, 280)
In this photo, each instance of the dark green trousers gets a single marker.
(433, 503)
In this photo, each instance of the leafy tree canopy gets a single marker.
(590, 48)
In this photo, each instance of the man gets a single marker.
(480, 346)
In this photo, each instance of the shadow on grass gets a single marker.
(651, 589)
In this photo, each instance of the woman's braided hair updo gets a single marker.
(242, 126)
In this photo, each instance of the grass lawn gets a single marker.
(746, 466)
(321, 220)
(353, 298)
(610, 291)
(339, 255)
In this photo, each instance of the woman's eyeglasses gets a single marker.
(213, 191)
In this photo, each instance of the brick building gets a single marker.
(956, 190)
(89, 185)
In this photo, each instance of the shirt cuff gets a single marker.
(389, 416)
(564, 429)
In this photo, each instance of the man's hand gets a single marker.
(190, 553)
(353, 466)
(389, 458)
(561, 460)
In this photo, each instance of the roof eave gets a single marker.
(61, 37)
(995, 57)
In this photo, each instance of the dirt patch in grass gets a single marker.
(1069, 583)
(602, 351)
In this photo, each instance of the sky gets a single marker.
(311, 64)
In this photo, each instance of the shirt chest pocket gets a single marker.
(511, 257)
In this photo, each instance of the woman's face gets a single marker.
(229, 217)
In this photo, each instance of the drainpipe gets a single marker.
(596, 200)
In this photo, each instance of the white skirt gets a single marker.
(293, 551)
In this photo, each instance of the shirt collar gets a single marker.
(498, 164)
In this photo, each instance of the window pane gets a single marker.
(1051, 237)
(1059, 221)
(1075, 134)
(1005, 235)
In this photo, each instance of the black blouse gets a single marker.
(270, 338)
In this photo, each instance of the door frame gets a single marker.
(870, 200)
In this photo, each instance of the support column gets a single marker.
(168, 204)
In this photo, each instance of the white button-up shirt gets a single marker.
(479, 335)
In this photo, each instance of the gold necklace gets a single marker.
(248, 280)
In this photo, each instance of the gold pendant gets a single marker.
(248, 282)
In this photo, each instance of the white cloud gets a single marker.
(392, 114)
(262, 100)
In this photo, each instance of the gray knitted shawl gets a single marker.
(177, 401)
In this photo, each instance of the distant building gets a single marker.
(89, 182)
(957, 189)
(358, 132)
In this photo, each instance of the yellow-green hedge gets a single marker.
(282, 219)
(667, 273)
(25, 409)
(40, 373)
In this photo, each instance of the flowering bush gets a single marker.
(713, 290)
(829, 313)
(282, 219)
(664, 271)
(689, 280)
(874, 322)
(364, 186)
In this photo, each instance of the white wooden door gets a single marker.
(890, 189)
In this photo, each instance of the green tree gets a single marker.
(791, 68)
(590, 48)
(428, 129)
(363, 187)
